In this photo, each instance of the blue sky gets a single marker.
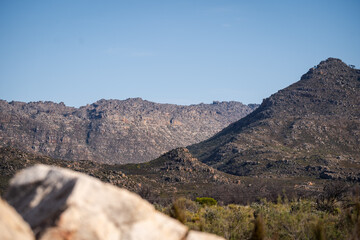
(182, 52)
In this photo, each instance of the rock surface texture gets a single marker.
(12, 226)
(311, 128)
(112, 131)
(62, 204)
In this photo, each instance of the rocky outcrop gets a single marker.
(12, 226)
(180, 167)
(62, 204)
(112, 131)
(177, 173)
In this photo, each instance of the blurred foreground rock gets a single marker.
(62, 204)
(12, 226)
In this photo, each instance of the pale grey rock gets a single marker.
(12, 226)
(62, 204)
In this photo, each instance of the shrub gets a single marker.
(206, 201)
(318, 231)
(259, 229)
(292, 219)
(333, 192)
(178, 211)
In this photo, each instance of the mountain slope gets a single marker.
(172, 175)
(176, 173)
(178, 166)
(12, 160)
(309, 128)
(112, 131)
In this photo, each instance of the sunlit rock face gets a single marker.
(112, 131)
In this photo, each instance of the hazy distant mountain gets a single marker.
(309, 128)
(112, 131)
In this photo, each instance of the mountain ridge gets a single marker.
(112, 131)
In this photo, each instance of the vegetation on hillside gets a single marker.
(334, 215)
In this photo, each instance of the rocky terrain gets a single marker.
(311, 128)
(13, 160)
(112, 131)
(61, 204)
(172, 175)
(176, 173)
(178, 166)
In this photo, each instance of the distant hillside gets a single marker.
(309, 128)
(172, 175)
(112, 131)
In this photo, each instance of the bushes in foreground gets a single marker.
(301, 219)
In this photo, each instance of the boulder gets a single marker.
(63, 204)
(12, 226)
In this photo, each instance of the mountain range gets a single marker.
(112, 131)
(297, 140)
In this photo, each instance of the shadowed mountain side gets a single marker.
(12, 160)
(112, 131)
(174, 174)
(310, 127)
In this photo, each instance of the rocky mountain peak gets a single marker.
(178, 166)
(180, 161)
(327, 89)
(181, 154)
(331, 61)
(330, 66)
(314, 118)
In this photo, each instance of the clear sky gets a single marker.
(182, 52)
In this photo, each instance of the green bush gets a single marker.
(206, 201)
